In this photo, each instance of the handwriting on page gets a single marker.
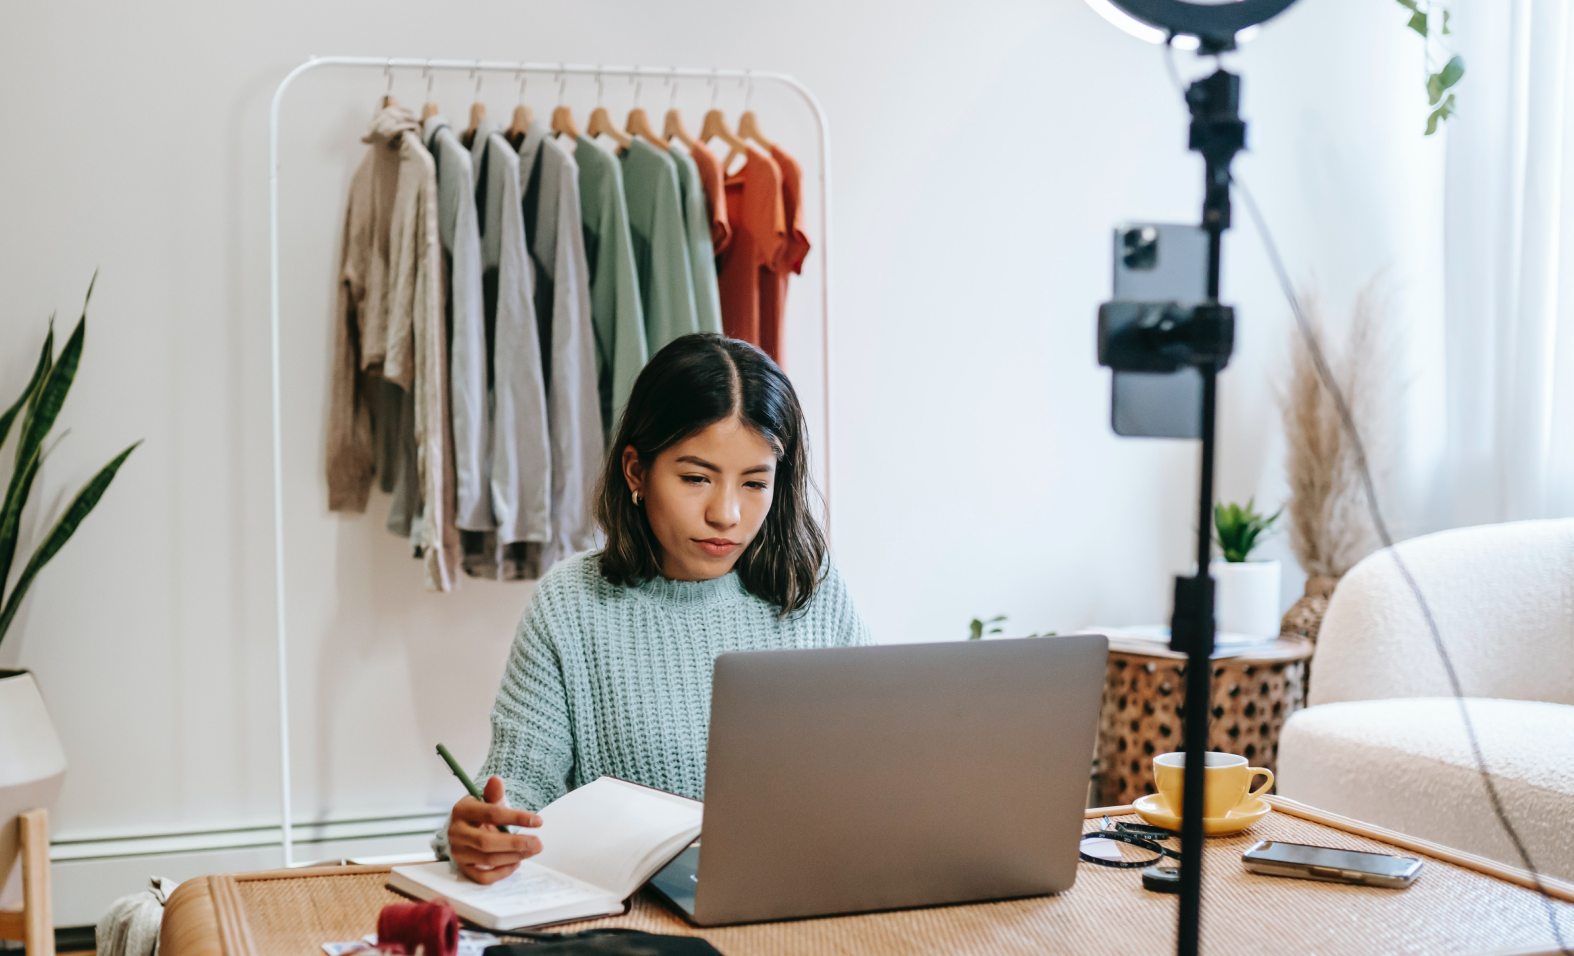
(471, 943)
(529, 888)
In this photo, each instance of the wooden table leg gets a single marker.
(34, 924)
(38, 929)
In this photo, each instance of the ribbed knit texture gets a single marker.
(615, 681)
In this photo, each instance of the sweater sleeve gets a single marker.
(350, 454)
(842, 614)
(532, 744)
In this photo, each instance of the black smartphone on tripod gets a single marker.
(1159, 262)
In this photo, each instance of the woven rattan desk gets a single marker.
(1461, 904)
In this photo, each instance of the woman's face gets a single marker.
(705, 497)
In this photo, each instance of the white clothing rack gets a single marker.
(390, 64)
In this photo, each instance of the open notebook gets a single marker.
(599, 844)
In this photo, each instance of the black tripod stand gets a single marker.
(1218, 133)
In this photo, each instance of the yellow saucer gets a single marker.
(1155, 810)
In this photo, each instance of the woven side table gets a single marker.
(1144, 708)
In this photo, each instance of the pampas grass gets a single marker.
(1329, 524)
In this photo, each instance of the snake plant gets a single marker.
(38, 407)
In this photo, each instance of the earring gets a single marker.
(635, 495)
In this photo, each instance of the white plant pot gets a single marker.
(32, 768)
(1246, 597)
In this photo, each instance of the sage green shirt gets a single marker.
(696, 225)
(615, 309)
(661, 243)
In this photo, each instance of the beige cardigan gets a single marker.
(390, 326)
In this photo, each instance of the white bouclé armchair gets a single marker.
(1383, 740)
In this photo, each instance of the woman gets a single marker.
(711, 548)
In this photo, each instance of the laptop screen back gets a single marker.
(852, 779)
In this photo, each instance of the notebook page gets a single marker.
(532, 894)
(606, 832)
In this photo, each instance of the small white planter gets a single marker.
(32, 768)
(1246, 597)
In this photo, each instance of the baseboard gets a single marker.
(76, 939)
(101, 847)
(68, 939)
(90, 873)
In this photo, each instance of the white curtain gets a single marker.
(1509, 214)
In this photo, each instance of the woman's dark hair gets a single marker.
(696, 381)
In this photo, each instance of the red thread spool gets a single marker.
(432, 926)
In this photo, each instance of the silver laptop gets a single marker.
(844, 780)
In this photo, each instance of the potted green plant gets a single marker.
(32, 762)
(1246, 592)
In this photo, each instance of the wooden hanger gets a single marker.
(672, 127)
(388, 97)
(715, 127)
(430, 109)
(563, 122)
(477, 111)
(601, 122)
(562, 116)
(519, 127)
(638, 123)
(749, 128)
(522, 117)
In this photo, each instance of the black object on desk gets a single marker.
(1138, 835)
(1161, 879)
(605, 942)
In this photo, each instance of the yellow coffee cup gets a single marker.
(1226, 787)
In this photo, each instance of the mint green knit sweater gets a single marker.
(612, 680)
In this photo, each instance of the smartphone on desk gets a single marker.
(1272, 858)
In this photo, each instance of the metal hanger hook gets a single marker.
(672, 87)
(748, 96)
(639, 85)
(600, 86)
(562, 85)
(715, 89)
(427, 73)
(523, 76)
(388, 72)
(476, 74)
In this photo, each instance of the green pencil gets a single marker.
(464, 778)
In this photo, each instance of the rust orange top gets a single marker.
(746, 275)
(712, 181)
(794, 249)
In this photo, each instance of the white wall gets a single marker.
(981, 153)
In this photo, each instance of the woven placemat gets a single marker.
(1450, 909)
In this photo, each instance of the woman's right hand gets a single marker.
(482, 851)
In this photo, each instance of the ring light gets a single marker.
(1214, 24)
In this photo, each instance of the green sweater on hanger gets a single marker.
(661, 243)
(702, 255)
(614, 284)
